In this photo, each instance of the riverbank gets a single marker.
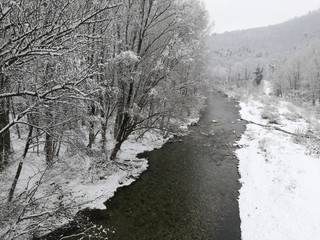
(78, 181)
(49, 198)
(279, 168)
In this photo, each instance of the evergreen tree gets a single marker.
(259, 75)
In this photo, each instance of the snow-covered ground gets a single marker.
(280, 172)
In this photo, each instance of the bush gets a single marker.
(270, 113)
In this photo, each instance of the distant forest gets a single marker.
(288, 55)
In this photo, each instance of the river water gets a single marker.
(189, 191)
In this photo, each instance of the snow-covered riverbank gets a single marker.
(78, 180)
(48, 198)
(280, 172)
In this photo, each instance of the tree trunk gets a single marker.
(37, 142)
(14, 116)
(92, 136)
(5, 140)
(125, 130)
(104, 134)
(16, 177)
(59, 146)
(115, 150)
(123, 125)
(118, 121)
(49, 149)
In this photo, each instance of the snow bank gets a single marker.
(93, 194)
(279, 197)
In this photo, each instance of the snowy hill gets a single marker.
(276, 41)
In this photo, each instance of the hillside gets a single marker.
(272, 41)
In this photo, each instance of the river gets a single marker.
(189, 191)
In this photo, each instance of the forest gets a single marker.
(78, 78)
(287, 52)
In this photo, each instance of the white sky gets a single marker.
(231, 15)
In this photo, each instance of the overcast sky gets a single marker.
(231, 15)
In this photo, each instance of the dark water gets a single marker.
(189, 191)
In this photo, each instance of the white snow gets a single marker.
(280, 195)
(127, 57)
